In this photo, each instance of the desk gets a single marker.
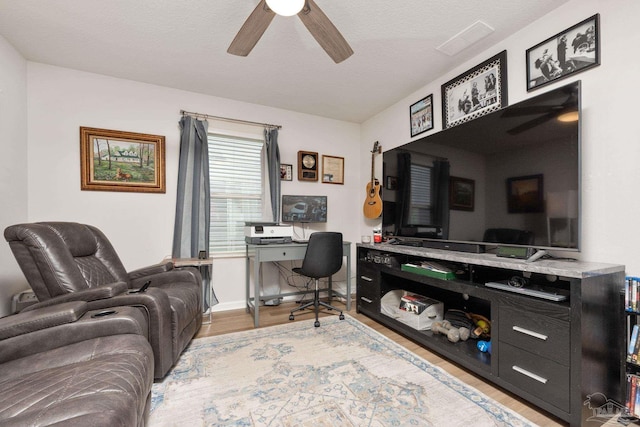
(284, 252)
(205, 266)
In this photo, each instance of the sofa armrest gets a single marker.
(181, 274)
(37, 331)
(149, 270)
(93, 294)
(35, 320)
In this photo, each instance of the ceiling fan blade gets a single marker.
(325, 33)
(252, 29)
(530, 111)
(530, 124)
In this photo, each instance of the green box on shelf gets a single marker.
(444, 275)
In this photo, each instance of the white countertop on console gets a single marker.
(575, 269)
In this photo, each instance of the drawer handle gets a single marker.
(367, 279)
(367, 300)
(530, 333)
(529, 374)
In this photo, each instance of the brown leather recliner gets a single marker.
(66, 365)
(66, 261)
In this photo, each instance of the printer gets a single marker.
(265, 233)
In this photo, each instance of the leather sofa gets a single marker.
(67, 261)
(68, 365)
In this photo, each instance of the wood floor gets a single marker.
(239, 320)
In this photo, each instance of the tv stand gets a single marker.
(539, 254)
(553, 354)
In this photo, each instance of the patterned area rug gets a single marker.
(340, 374)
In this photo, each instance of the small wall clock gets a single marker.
(307, 166)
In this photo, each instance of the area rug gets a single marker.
(340, 374)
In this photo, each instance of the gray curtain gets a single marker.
(441, 195)
(272, 287)
(193, 211)
(404, 190)
(273, 163)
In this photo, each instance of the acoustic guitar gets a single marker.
(373, 203)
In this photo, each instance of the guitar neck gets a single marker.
(373, 155)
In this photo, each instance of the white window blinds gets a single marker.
(421, 190)
(235, 173)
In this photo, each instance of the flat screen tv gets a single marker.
(509, 178)
(304, 208)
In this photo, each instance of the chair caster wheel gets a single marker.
(291, 317)
(341, 317)
(316, 324)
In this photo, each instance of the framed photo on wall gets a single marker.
(571, 51)
(286, 172)
(421, 115)
(332, 169)
(461, 193)
(479, 91)
(113, 160)
(525, 194)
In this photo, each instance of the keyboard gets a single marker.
(300, 240)
(537, 293)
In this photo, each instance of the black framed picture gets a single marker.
(525, 194)
(392, 183)
(571, 51)
(461, 193)
(421, 115)
(479, 91)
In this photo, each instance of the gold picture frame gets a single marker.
(112, 160)
(332, 170)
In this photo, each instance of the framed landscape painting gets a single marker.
(461, 193)
(112, 160)
(525, 194)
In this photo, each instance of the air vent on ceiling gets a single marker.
(465, 38)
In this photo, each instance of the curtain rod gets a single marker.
(226, 119)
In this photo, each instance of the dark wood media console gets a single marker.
(553, 354)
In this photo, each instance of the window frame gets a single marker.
(248, 134)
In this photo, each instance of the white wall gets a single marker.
(13, 163)
(140, 226)
(611, 140)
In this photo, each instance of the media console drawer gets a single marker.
(536, 333)
(368, 288)
(537, 375)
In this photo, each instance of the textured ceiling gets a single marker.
(182, 44)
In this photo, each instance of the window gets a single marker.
(235, 173)
(420, 209)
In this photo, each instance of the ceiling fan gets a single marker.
(318, 24)
(563, 111)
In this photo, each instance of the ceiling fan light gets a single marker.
(286, 7)
(571, 116)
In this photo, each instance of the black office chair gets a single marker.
(322, 259)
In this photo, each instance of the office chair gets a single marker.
(322, 259)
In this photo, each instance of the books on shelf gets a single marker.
(634, 345)
(633, 395)
(632, 294)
